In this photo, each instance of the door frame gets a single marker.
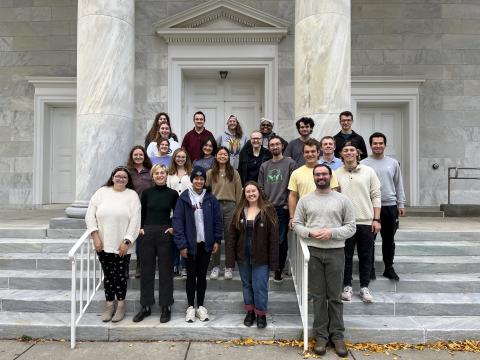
(221, 57)
(49, 92)
(370, 90)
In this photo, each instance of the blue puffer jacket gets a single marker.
(185, 235)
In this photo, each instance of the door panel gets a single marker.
(247, 113)
(62, 185)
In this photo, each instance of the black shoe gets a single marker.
(249, 318)
(261, 321)
(138, 271)
(176, 272)
(142, 314)
(390, 273)
(320, 347)
(278, 276)
(340, 348)
(166, 314)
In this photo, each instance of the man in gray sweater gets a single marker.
(324, 219)
(393, 198)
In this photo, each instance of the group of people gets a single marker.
(247, 192)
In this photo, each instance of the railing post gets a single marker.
(73, 305)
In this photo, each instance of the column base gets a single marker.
(77, 210)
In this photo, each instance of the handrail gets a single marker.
(83, 245)
(456, 177)
(299, 256)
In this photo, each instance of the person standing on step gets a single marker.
(225, 183)
(253, 244)
(113, 221)
(327, 145)
(139, 165)
(157, 247)
(164, 154)
(197, 222)
(393, 198)
(179, 180)
(233, 139)
(324, 219)
(295, 147)
(207, 153)
(347, 134)
(252, 157)
(193, 139)
(164, 132)
(273, 179)
(361, 185)
(160, 118)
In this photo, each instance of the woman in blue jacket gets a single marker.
(197, 233)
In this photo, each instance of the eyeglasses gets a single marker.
(116, 177)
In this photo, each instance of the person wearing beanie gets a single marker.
(198, 232)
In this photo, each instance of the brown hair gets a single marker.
(229, 171)
(238, 128)
(152, 133)
(172, 170)
(267, 211)
(114, 172)
(147, 164)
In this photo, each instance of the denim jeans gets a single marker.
(283, 218)
(255, 286)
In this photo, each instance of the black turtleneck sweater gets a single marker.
(157, 204)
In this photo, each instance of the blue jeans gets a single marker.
(255, 286)
(283, 218)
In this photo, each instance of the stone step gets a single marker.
(380, 329)
(60, 280)
(435, 235)
(389, 304)
(39, 232)
(403, 264)
(14, 245)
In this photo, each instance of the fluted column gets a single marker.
(105, 93)
(322, 62)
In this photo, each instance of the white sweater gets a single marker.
(116, 216)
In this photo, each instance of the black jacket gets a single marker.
(356, 138)
(243, 160)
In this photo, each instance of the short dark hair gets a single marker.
(306, 121)
(328, 137)
(311, 142)
(275, 137)
(201, 113)
(325, 166)
(345, 113)
(377, 134)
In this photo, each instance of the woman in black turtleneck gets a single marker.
(158, 202)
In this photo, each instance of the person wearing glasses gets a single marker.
(252, 157)
(233, 139)
(113, 221)
(347, 134)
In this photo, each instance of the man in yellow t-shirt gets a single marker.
(301, 182)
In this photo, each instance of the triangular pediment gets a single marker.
(222, 21)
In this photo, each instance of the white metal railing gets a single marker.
(85, 269)
(299, 255)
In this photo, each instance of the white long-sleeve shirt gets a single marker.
(116, 216)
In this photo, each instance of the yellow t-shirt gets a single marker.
(302, 181)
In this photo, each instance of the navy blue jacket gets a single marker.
(183, 221)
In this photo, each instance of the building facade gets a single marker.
(80, 82)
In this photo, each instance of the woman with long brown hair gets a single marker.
(253, 244)
(233, 139)
(164, 133)
(226, 186)
(152, 133)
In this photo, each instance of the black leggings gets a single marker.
(115, 270)
(197, 267)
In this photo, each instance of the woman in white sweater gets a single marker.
(113, 220)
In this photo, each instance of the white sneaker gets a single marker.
(214, 273)
(202, 313)
(228, 274)
(347, 293)
(365, 295)
(190, 315)
(183, 272)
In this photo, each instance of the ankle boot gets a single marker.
(261, 321)
(108, 312)
(249, 318)
(120, 312)
(165, 315)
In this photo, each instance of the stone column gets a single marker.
(105, 93)
(322, 62)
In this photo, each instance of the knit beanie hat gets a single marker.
(198, 171)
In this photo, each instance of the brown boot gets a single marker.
(108, 312)
(340, 347)
(120, 312)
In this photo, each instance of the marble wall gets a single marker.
(37, 38)
(439, 42)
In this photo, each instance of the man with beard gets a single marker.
(273, 180)
(324, 219)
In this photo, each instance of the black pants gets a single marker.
(283, 218)
(389, 216)
(197, 266)
(364, 239)
(156, 251)
(115, 269)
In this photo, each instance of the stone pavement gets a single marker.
(13, 350)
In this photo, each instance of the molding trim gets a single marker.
(402, 91)
(241, 24)
(49, 91)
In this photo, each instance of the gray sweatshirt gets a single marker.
(333, 211)
(273, 179)
(390, 176)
